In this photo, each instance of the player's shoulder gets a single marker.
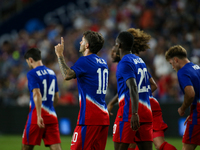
(187, 69)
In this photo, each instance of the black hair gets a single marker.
(126, 40)
(95, 41)
(33, 53)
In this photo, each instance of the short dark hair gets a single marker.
(126, 40)
(95, 41)
(175, 51)
(34, 53)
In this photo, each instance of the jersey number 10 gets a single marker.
(51, 89)
(103, 78)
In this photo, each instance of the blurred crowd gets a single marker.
(169, 22)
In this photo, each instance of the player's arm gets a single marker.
(112, 103)
(152, 84)
(131, 83)
(56, 98)
(188, 99)
(37, 97)
(66, 71)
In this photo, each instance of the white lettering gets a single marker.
(101, 61)
(44, 72)
(196, 67)
(38, 73)
(138, 60)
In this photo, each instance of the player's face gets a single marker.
(174, 63)
(29, 63)
(115, 54)
(82, 45)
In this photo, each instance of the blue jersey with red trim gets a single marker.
(45, 79)
(132, 66)
(92, 78)
(189, 75)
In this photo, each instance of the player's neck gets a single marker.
(125, 53)
(184, 62)
(86, 52)
(37, 63)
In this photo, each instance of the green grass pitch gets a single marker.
(11, 142)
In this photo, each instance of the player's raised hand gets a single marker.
(60, 48)
(135, 125)
(40, 122)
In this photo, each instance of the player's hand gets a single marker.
(135, 125)
(40, 122)
(60, 48)
(181, 111)
(110, 107)
(186, 120)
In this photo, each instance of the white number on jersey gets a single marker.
(144, 76)
(75, 136)
(51, 90)
(105, 81)
(114, 128)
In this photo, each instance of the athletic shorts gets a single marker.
(158, 123)
(158, 134)
(122, 132)
(192, 134)
(89, 137)
(33, 134)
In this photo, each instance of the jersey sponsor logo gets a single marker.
(196, 67)
(138, 60)
(101, 61)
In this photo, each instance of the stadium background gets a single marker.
(41, 23)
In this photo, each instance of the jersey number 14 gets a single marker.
(49, 91)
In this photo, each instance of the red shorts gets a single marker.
(158, 134)
(158, 123)
(89, 137)
(33, 134)
(192, 134)
(122, 132)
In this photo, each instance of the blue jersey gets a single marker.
(92, 77)
(132, 66)
(45, 79)
(189, 75)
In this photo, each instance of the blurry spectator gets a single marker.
(168, 22)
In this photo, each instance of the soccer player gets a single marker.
(42, 121)
(91, 72)
(141, 40)
(134, 106)
(189, 81)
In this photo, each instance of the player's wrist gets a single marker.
(60, 55)
(135, 113)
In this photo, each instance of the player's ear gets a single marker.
(30, 60)
(87, 45)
